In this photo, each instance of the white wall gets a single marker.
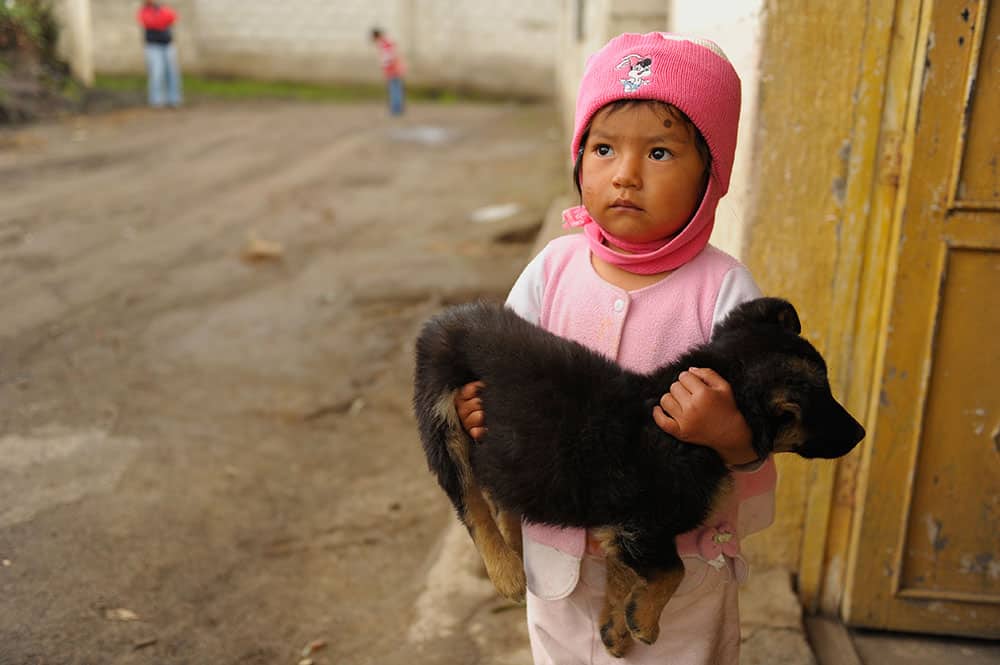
(505, 46)
(735, 25)
(76, 39)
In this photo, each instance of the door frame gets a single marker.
(886, 88)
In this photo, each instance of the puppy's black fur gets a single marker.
(571, 440)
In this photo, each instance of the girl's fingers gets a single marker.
(467, 406)
(693, 382)
(670, 405)
(470, 390)
(474, 419)
(665, 422)
(712, 378)
(679, 392)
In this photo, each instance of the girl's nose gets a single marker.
(627, 175)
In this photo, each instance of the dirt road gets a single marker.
(210, 459)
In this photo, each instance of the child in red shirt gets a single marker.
(163, 72)
(392, 70)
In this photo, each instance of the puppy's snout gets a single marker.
(835, 435)
(859, 433)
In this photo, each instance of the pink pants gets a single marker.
(699, 626)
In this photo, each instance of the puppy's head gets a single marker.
(784, 390)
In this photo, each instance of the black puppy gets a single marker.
(572, 441)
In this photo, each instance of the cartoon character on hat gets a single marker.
(640, 69)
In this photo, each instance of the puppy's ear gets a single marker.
(787, 317)
(764, 310)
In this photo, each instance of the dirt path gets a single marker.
(224, 448)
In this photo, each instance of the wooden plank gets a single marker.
(830, 641)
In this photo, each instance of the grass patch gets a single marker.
(200, 87)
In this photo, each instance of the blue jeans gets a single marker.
(164, 75)
(396, 96)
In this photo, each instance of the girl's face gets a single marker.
(642, 176)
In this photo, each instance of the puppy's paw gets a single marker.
(510, 583)
(615, 635)
(642, 617)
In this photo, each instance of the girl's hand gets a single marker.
(700, 409)
(470, 409)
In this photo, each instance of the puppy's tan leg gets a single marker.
(503, 563)
(510, 527)
(646, 601)
(619, 581)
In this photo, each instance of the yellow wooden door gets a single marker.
(925, 550)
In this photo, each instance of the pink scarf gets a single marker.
(652, 257)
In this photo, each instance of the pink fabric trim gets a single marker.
(568, 540)
(760, 481)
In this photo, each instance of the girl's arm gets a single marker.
(700, 407)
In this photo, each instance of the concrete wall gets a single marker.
(506, 47)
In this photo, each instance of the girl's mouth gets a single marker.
(625, 203)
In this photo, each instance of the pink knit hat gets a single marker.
(690, 73)
(693, 75)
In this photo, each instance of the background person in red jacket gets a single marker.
(162, 70)
(392, 70)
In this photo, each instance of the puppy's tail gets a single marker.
(441, 369)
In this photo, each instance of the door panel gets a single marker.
(978, 184)
(925, 552)
(950, 549)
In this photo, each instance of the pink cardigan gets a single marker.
(641, 330)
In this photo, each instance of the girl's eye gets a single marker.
(603, 149)
(659, 154)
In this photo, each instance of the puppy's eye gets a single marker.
(787, 418)
(786, 411)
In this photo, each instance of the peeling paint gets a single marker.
(983, 563)
(934, 528)
(835, 572)
(839, 189)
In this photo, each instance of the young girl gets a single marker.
(655, 133)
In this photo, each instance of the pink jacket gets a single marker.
(641, 330)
